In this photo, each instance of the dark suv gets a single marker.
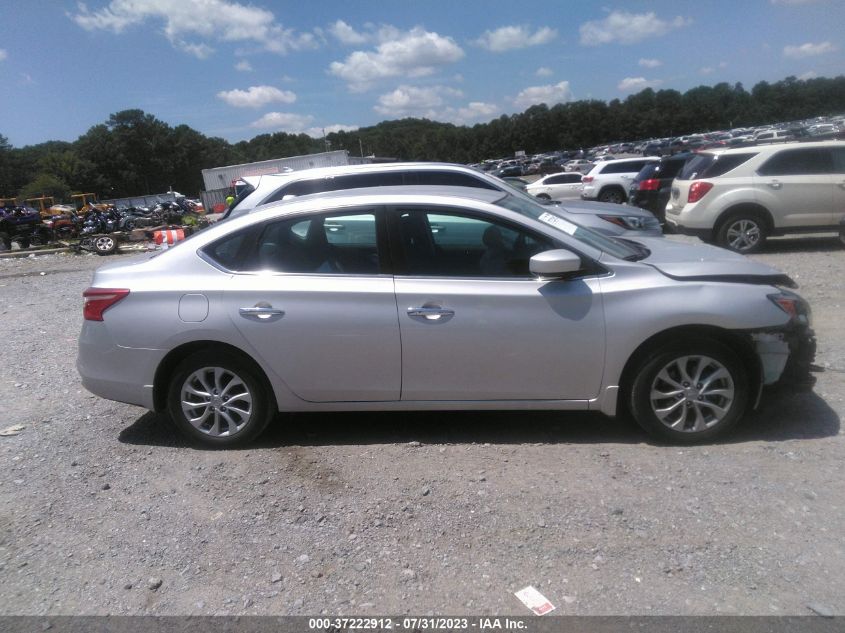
(652, 187)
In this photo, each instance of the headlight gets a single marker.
(794, 306)
(633, 222)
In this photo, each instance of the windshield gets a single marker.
(548, 215)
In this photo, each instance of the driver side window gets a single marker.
(446, 244)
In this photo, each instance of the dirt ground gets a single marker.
(104, 509)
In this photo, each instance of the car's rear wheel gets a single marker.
(613, 195)
(689, 392)
(219, 399)
(744, 233)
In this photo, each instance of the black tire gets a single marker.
(744, 232)
(104, 244)
(716, 410)
(234, 376)
(5, 242)
(544, 196)
(613, 195)
(23, 242)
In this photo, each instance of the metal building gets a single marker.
(222, 177)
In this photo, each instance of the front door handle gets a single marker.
(775, 184)
(432, 313)
(263, 311)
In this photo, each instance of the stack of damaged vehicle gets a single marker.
(437, 287)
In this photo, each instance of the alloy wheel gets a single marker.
(692, 393)
(216, 401)
(743, 234)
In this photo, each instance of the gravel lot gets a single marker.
(103, 509)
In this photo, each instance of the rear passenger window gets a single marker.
(713, 165)
(445, 179)
(797, 162)
(336, 244)
(228, 252)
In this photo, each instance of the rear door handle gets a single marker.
(775, 184)
(432, 313)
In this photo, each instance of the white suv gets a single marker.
(738, 197)
(610, 180)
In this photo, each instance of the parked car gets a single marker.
(738, 197)
(510, 170)
(581, 165)
(610, 180)
(651, 188)
(772, 136)
(367, 300)
(23, 225)
(260, 190)
(556, 186)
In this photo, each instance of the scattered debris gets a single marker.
(534, 600)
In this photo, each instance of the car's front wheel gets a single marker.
(219, 399)
(689, 392)
(744, 233)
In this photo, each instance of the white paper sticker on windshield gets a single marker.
(558, 223)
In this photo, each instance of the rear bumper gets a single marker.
(113, 372)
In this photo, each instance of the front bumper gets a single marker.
(786, 357)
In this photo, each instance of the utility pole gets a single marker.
(361, 145)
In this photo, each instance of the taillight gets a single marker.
(98, 300)
(698, 189)
(652, 184)
(586, 179)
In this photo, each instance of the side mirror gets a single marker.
(555, 263)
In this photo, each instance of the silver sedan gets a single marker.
(398, 301)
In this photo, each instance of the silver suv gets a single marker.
(738, 197)
(610, 180)
(606, 218)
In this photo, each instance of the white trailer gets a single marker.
(223, 177)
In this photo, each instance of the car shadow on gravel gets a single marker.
(783, 417)
(815, 244)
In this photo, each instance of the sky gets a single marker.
(239, 68)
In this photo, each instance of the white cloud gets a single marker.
(634, 84)
(414, 101)
(244, 66)
(706, 70)
(512, 37)
(3, 54)
(317, 132)
(415, 53)
(649, 63)
(550, 95)
(808, 50)
(283, 122)
(628, 28)
(473, 112)
(186, 21)
(256, 96)
(345, 34)
(810, 74)
(544, 71)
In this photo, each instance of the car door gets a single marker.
(797, 187)
(563, 186)
(316, 303)
(476, 325)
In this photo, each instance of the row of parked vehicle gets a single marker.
(735, 197)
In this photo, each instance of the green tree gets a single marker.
(46, 185)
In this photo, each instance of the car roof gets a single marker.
(276, 180)
(375, 195)
(771, 147)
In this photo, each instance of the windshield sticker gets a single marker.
(558, 223)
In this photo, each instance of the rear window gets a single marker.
(624, 168)
(649, 171)
(713, 165)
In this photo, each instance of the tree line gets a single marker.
(133, 153)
